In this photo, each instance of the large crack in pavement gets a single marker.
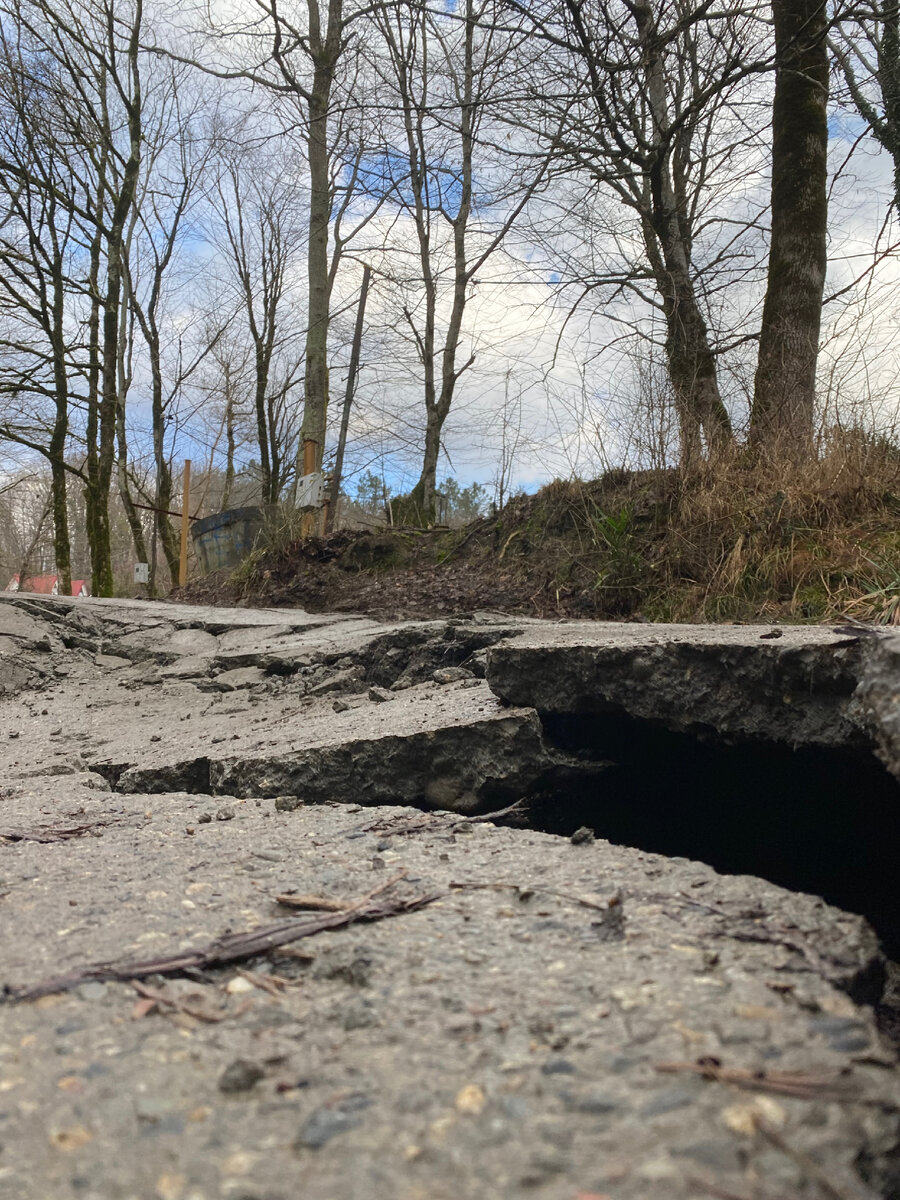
(717, 1037)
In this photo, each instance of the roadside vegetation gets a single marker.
(741, 543)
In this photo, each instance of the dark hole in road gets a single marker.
(820, 821)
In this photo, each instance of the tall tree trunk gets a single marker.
(691, 363)
(162, 526)
(92, 497)
(131, 513)
(112, 299)
(229, 438)
(59, 490)
(782, 417)
(262, 359)
(325, 52)
(692, 369)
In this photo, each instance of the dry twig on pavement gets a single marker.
(802, 1084)
(230, 947)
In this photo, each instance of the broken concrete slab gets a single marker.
(26, 628)
(726, 681)
(237, 678)
(458, 750)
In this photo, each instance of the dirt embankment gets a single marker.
(737, 545)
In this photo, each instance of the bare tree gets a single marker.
(449, 177)
(92, 52)
(865, 40)
(39, 241)
(262, 234)
(657, 111)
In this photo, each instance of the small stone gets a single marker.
(595, 1102)
(93, 990)
(238, 986)
(226, 813)
(14, 733)
(204, 818)
(379, 695)
(71, 1139)
(326, 1123)
(558, 1066)
(378, 863)
(152, 1108)
(583, 836)
(746, 1118)
(450, 674)
(155, 737)
(240, 1076)
(470, 1100)
(340, 706)
(287, 804)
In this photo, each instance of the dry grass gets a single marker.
(742, 541)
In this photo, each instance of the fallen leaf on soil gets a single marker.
(166, 1002)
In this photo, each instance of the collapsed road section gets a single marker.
(596, 1013)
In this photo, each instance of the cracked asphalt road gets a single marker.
(564, 1020)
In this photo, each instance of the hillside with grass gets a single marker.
(745, 542)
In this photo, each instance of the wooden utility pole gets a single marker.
(182, 569)
(348, 401)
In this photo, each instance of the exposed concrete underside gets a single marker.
(498, 1045)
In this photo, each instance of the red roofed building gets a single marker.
(48, 585)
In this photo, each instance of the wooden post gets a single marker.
(182, 569)
(332, 507)
(310, 520)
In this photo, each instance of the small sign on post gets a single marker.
(141, 572)
(311, 490)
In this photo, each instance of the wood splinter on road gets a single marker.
(230, 947)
